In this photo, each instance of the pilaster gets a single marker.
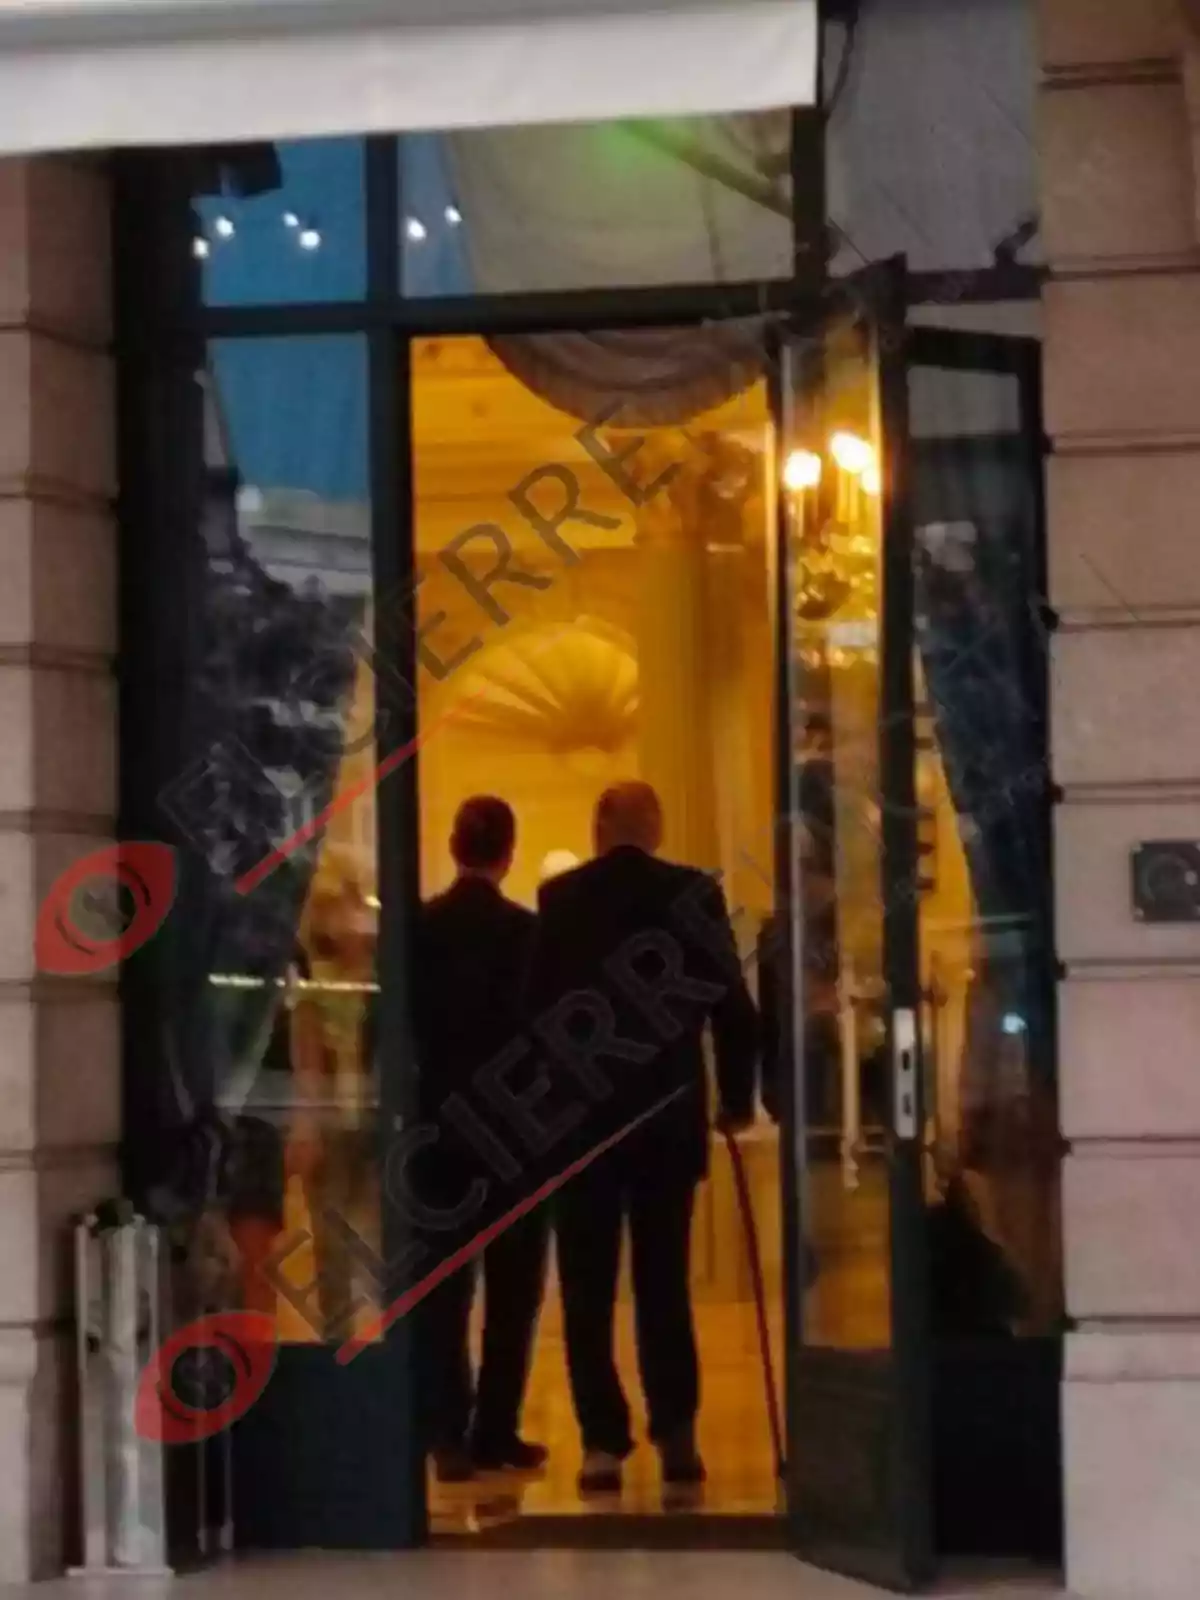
(60, 1061)
(1122, 318)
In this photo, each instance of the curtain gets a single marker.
(604, 205)
(982, 654)
(638, 377)
(974, 585)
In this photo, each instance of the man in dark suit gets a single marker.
(646, 947)
(472, 951)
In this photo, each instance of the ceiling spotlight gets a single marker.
(415, 229)
(223, 227)
(201, 249)
(453, 216)
(309, 239)
(290, 219)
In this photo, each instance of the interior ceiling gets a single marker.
(478, 432)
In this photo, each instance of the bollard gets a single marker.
(120, 1295)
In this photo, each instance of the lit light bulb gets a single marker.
(201, 249)
(871, 481)
(851, 453)
(801, 470)
(223, 227)
(453, 216)
(309, 239)
(415, 229)
(290, 219)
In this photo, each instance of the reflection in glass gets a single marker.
(282, 224)
(280, 1024)
(596, 205)
(832, 482)
(985, 961)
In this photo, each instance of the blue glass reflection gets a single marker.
(302, 240)
(295, 411)
(435, 259)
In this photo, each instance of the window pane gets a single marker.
(992, 1130)
(834, 556)
(281, 968)
(595, 205)
(281, 224)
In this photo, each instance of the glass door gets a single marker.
(990, 1167)
(849, 865)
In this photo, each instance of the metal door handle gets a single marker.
(904, 1074)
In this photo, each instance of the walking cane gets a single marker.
(750, 1230)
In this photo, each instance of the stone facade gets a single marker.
(59, 1039)
(1120, 150)
(1122, 321)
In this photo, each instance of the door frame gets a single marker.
(907, 1386)
(162, 328)
(896, 1391)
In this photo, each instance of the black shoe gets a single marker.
(453, 1464)
(516, 1454)
(681, 1463)
(600, 1473)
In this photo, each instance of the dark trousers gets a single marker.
(514, 1269)
(591, 1213)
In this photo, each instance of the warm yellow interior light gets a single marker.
(852, 454)
(801, 470)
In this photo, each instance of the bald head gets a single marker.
(628, 814)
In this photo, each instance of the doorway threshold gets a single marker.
(666, 1530)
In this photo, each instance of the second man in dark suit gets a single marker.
(647, 945)
(472, 951)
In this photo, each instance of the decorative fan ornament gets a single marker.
(567, 691)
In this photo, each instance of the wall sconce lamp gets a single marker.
(802, 470)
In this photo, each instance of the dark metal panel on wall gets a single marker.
(393, 539)
(160, 476)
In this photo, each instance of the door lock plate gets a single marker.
(904, 1073)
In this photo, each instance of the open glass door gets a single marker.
(918, 1051)
(849, 867)
(991, 1148)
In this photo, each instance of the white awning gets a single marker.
(77, 74)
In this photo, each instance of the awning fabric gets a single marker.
(77, 74)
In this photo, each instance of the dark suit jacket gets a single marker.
(471, 956)
(610, 929)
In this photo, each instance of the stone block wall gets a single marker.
(1122, 328)
(59, 1039)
